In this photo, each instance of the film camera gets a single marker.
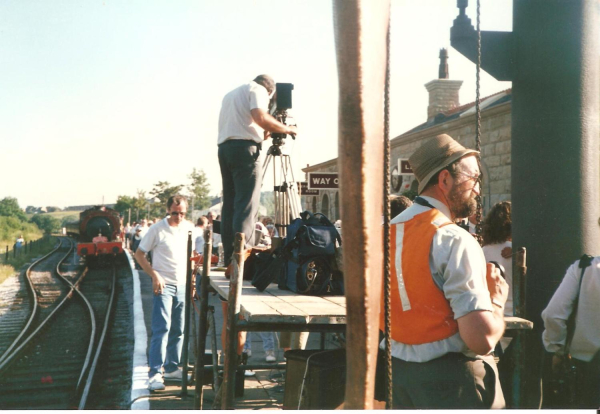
(283, 94)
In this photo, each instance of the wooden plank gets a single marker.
(512, 322)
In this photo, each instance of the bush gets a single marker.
(46, 223)
(12, 227)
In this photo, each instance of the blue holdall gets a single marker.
(309, 251)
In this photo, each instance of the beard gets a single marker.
(459, 207)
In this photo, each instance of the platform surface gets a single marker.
(274, 305)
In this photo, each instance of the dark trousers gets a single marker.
(452, 381)
(241, 173)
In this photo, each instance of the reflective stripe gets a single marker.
(398, 258)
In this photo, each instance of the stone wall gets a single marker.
(495, 147)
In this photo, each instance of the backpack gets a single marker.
(310, 255)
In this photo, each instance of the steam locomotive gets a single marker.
(98, 233)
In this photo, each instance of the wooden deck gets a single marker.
(274, 305)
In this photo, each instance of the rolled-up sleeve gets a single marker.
(458, 265)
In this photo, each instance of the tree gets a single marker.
(9, 207)
(267, 200)
(68, 219)
(52, 209)
(46, 223)
(199, 189)
(124, 203)
(163, 190)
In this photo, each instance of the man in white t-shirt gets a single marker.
(244, 123)
(167, 240)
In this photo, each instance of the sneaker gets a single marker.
(248, 352)
(270, 356)
(156, 383)
(249, 373)
(176, 375)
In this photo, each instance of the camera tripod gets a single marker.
(285, 190)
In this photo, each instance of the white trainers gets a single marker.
(156, 383)
(248, 352)
(249, 373)
(176, 375)
(270, 356)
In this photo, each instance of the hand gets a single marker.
(158, 284)
(506, 252)
(496, 284)
(267, 135)
(293, 130)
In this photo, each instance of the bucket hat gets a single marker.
(435, 155)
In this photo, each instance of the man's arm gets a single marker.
(158, 283)
(269, 123)
(481, 330)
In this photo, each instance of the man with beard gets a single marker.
(447, 305)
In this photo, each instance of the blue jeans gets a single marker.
(167, 329)
(267, 339)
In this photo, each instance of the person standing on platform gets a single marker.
(447, 304)
(244, 123)
(578, 292)
(167, 239)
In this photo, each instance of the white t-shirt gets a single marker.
(169, 250)
(235, 119)
(199, 240)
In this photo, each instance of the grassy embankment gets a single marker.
(11, 228)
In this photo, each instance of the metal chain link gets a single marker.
(386, 226)
(478, 126)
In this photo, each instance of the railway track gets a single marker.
(53, 356)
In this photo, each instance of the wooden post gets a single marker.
(233, 312)
(6, 259)
(186, 328)
(202, 323)
(519, 283)
(360, 29)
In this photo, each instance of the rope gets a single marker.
(386, 226)
(478, 124)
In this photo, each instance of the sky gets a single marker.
(101, 98)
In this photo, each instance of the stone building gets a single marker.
(445, 115)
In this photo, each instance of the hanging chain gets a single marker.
(386, 225)
(478, 126)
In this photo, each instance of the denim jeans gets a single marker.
(167, 329)
(267, 339)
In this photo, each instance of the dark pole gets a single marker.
(186, 329)
(202, 324)
(554, 144)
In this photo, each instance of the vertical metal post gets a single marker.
(202, 324)
(233, 312)
(186, 329)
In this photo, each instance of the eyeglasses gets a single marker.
(471, 177)
(177, 213)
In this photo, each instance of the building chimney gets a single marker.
(443, 92)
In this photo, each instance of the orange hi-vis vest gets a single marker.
(420, 311)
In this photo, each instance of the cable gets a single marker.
(306, 373)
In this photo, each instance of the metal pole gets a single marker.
(186, 329)
(233, 312)
(202, 324)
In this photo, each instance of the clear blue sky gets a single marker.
(101, 98)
